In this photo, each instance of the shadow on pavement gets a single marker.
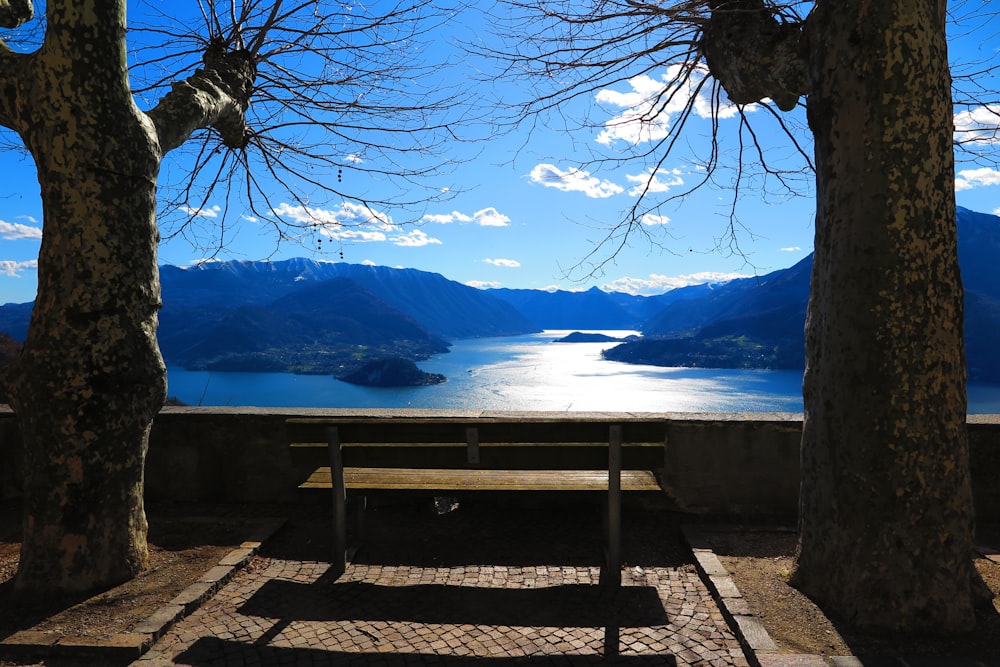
(412, 533)
(211, 651)
(567, 605)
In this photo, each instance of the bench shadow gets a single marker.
(481, 534)
(480, 531)
(210, 651)
(568, 605)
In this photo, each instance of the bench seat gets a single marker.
(431, 479)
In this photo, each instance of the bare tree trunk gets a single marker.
(90, 378)
(886, 518)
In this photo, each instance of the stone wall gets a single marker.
(745, 464)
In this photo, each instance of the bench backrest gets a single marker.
(488, 443)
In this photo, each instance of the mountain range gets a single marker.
(758, 322)
(308, 316)
(305, 316)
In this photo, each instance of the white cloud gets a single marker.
(446, 218)
(486, 217)
(353, 157)
(980, 125)
(344, 223)
(15, 231)
(210, 212)
(655, 180)
(251, 218)
(368, 262)
(415, 238)
(574, 180)
(14, 269)
(658, 284)
(652, 220)
(28, 218)
(790, 249)
(483, 284)
(506, 263)
(648, 109)
(968, 179)
(355, 222)
(356, 235)
(490, 217)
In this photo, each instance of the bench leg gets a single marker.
(613, 559)
(360, 505)
(339, 501)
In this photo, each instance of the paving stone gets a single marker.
(755, 634)
(282, 611)
(160, 620)
(31, 638)
(710, 564)
(217, 573)
(237, 556)
(725, 587)
(193, 595)
(914, 661)
(98, 642)
(790, 660)
(128, 640)
(846, 661)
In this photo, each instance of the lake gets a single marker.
(527, 373)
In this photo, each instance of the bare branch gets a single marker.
(571, 55)
(339, 102)
(212, 97)
(976, 85)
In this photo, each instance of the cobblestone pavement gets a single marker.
(502, 586)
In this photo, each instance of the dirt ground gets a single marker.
(186, 542)
(760, 564)
(182, 548)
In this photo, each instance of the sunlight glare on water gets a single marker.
(515, 373)
(537, 374)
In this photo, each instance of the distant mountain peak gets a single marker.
(198, 297)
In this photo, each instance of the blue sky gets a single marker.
(525, 209)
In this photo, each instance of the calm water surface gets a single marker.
(527, 373)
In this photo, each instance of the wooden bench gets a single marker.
(505, 454)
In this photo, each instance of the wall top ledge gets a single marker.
(478, 414)
(985, 420)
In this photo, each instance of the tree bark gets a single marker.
(752, 55)
(15, 12)
(886, 519)
(90, 377)
(89, 382)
